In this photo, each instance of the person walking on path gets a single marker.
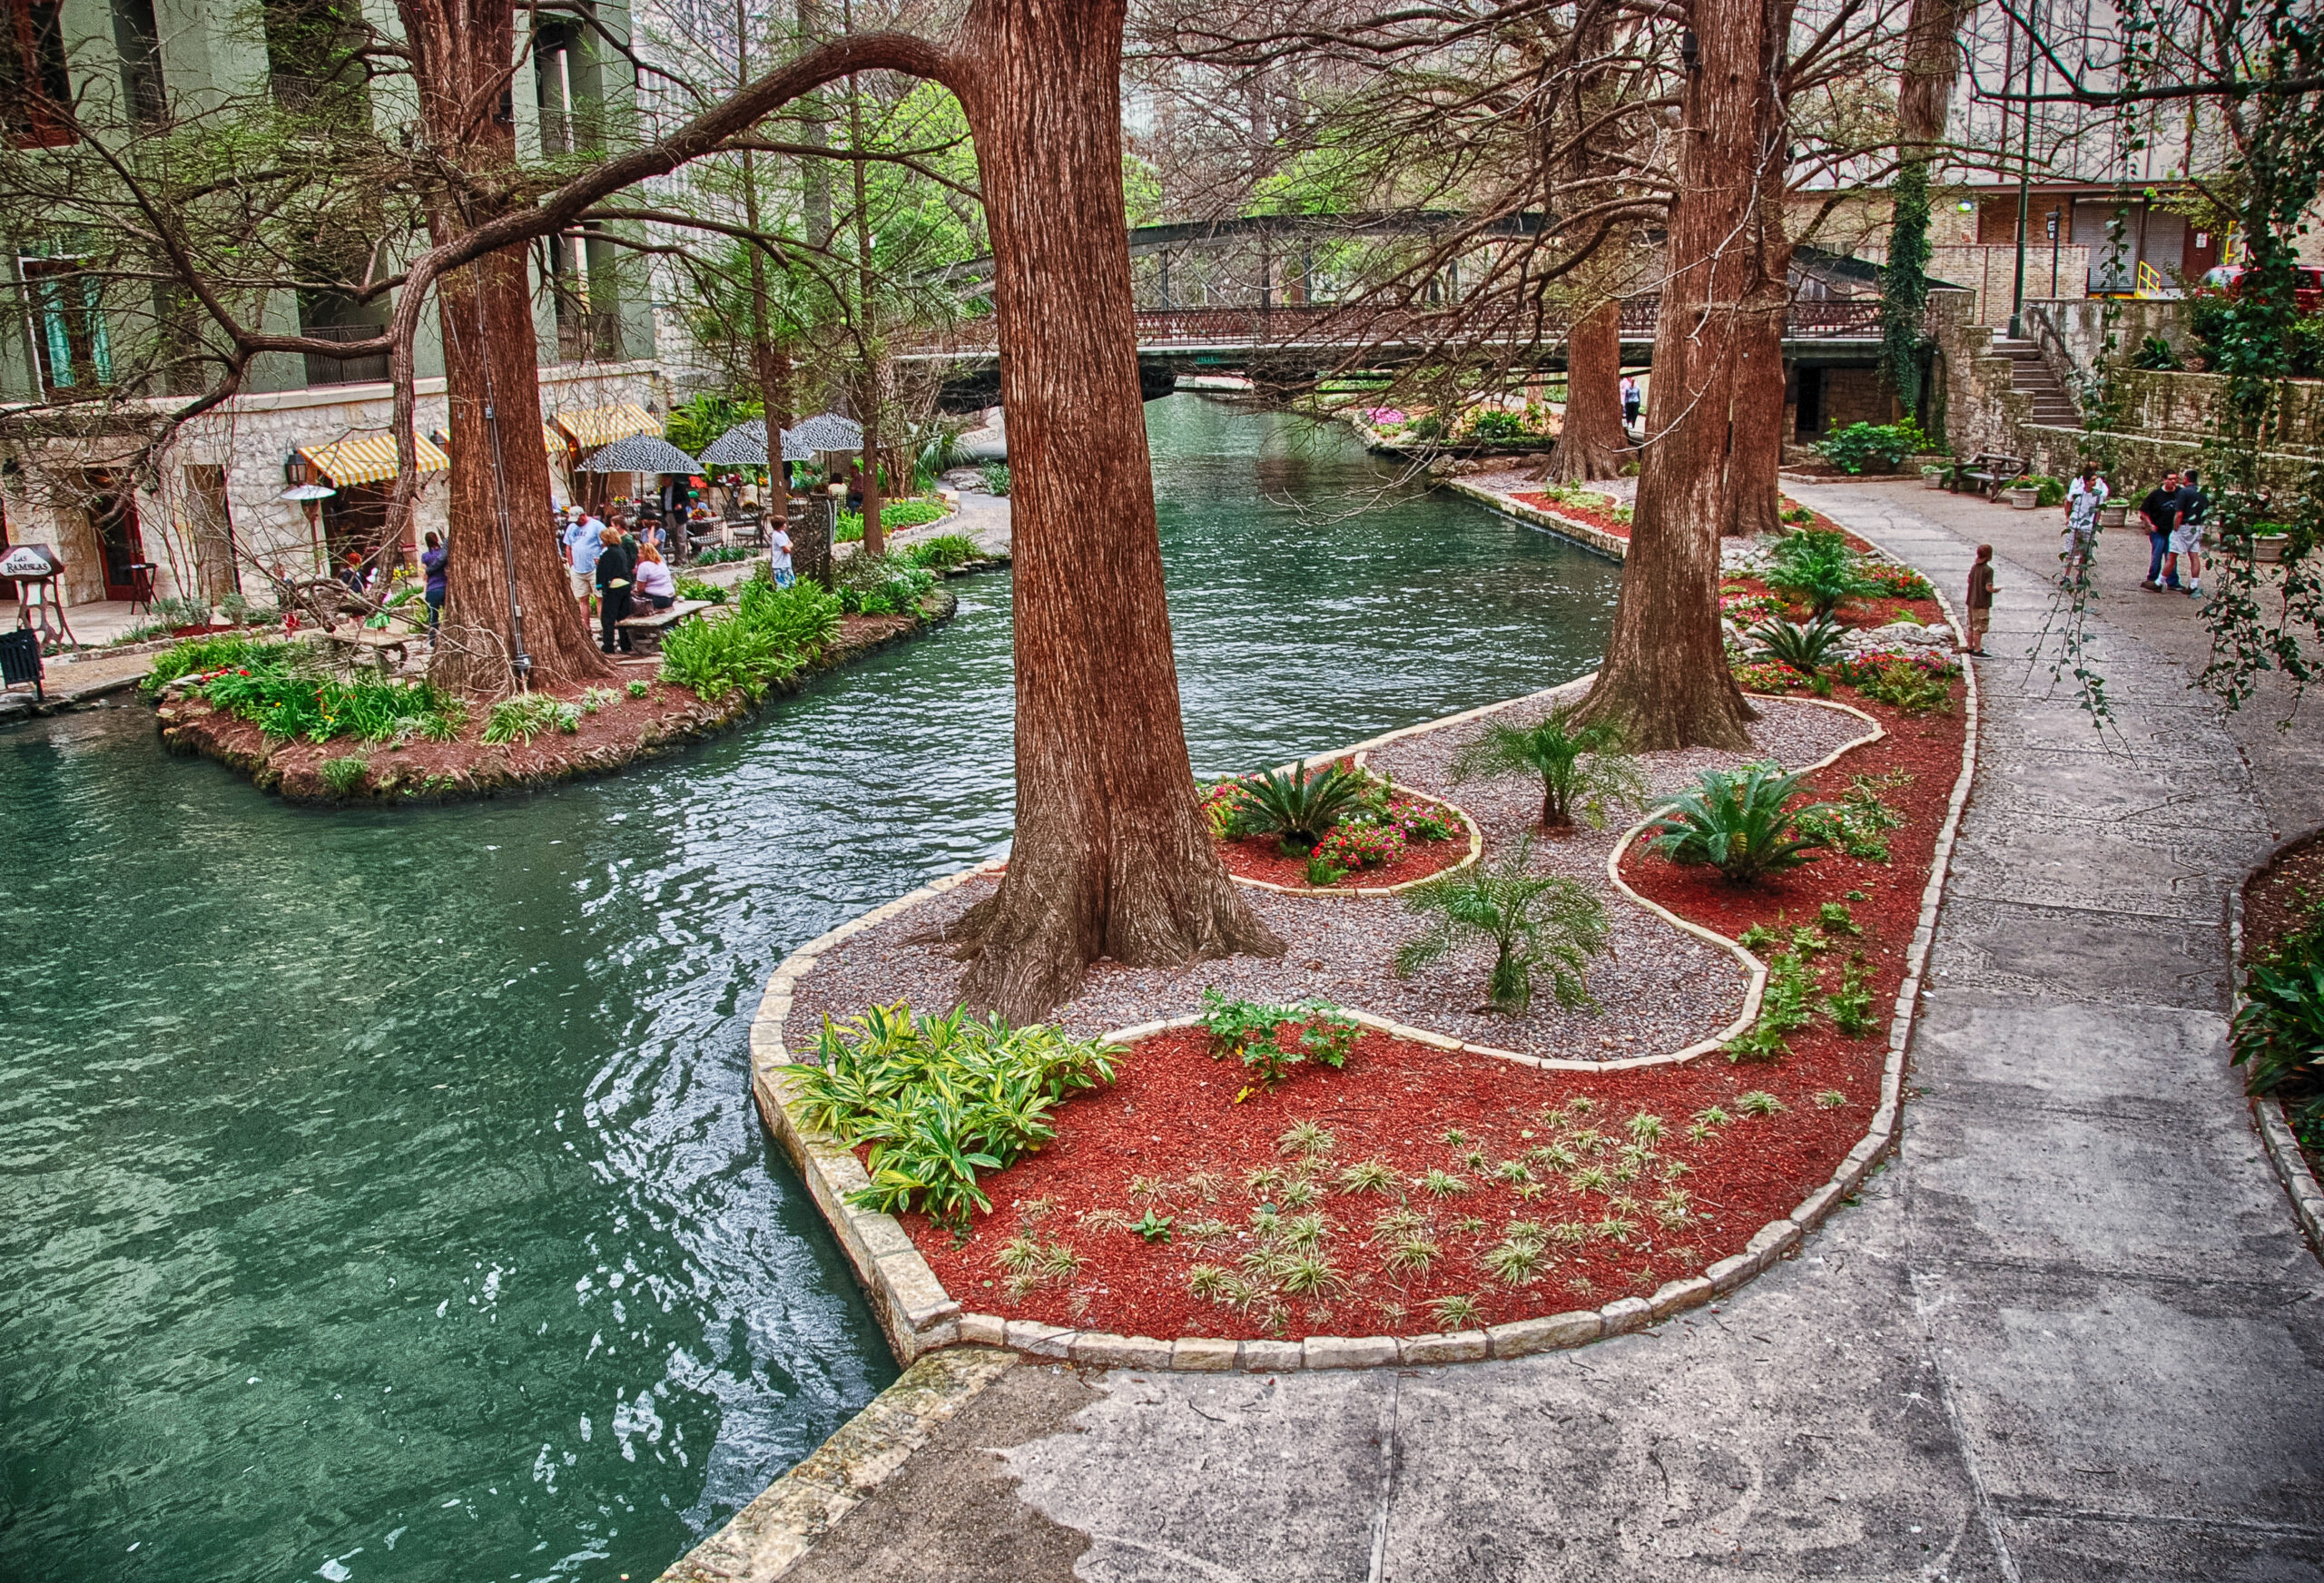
(1981, 598)
(2085, 496)
(1629, 402)
(2187, 538)
(779, 555)
(2160, 511)
(612, 574)
(431, 562)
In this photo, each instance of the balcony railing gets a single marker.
(588, 335)
(322, 369)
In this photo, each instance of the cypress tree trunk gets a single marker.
(1112, 856)
(1665, 680)
(1591, 443)
(461, 51)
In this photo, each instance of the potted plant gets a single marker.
(2112, 515)
(1932, 478)
(2268, 541)
(2022, 493)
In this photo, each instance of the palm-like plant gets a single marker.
(1806, 649)
(1584, 769)
(1817, 566)
(1736, 821)
(1299, 806)
(1536, 923)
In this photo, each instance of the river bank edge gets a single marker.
(495, 769)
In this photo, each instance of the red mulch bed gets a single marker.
(1602, 521)
(1167, 1135)
(1260, 857)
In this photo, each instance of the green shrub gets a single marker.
(944, 552)
(1786, 1005)
(719, 554)
(1255, 1034)
(889, 585)
(940, 1099)
(2278, 1034)
(1816, 564)
(773, 634)
(695, 588)
(530, 715)
(344, 775)
(282, 689)
(1738, 823)
(1859, 443)
(1805, 649)
(995, 477)
(1916, 689)
(222, 652)
(2156, 353)
(894, 514)
(1858, 823)
(1534, 924)
(1296, 804)
(1850, 1005)
(638, 689)
(1582, 769)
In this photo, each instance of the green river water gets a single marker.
(384, 1198)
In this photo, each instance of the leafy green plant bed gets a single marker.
(2278, 1033)
(315, 736)
(894, 514)
(1337, 826)
(1583, 505)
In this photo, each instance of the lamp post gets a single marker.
(2024, 185)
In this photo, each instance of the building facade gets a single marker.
(204, 516)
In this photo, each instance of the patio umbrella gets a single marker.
(828, 432)
(745, 444)
(646, 453)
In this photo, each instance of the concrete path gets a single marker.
(2070, 1334)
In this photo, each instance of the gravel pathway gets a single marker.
(1658, 988)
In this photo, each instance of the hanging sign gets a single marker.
(28, 561)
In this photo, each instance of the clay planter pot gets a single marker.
(1932, 479)
(2112, 515)
(2269, 546)
(2023, 500)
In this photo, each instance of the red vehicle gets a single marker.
(2307, 292)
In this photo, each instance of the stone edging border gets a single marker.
(2274, 1127)
(1566, 527)
(919, 1316)
(1369, 892)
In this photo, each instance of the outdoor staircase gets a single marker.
(2030, 375)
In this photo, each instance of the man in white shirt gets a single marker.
(580, 540)
(2085, 496)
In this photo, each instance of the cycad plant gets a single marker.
(1584, 769)
(1535, 923)
(1817, 566)
(1300, 806)
(1806, 649)
(1736, 821)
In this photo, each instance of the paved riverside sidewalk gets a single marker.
(2070, 1334)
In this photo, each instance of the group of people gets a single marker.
(621, 568)
(2174, 513)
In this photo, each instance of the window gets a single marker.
(68, 325)
(138, 42)
(35, 93)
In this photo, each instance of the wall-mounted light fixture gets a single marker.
(1689, 52)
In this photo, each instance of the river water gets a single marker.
(385, 1199)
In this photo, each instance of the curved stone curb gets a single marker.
(2275, 1135)
(1613, 545)
(1370, 892)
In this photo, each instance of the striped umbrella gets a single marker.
(745, 444)
(829, 432)
(645, 453)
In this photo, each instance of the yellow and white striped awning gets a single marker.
(600, 426)
(369, 457)
(554, 441)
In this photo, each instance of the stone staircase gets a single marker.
(2031, 377)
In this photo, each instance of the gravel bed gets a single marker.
(1659, 988)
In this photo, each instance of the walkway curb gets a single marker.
(919, 1316)
(760, 1541)
(2276, 1136)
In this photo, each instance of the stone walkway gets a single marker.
(2070, 1333)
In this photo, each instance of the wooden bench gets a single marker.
(1988, 471)
(650, 627)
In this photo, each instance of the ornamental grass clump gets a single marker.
(1806, 649)
(1534, 924)
(1582, 769)
(1741, 822)
(940, 1099)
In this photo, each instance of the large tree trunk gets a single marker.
(505, 580)
(1112, 856)
(1754, 497)
(1665, 679)
(499, 522)
(1592, 444)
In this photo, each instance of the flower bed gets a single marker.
(1573, 509)
(1416, 1189)
(1261, 857)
